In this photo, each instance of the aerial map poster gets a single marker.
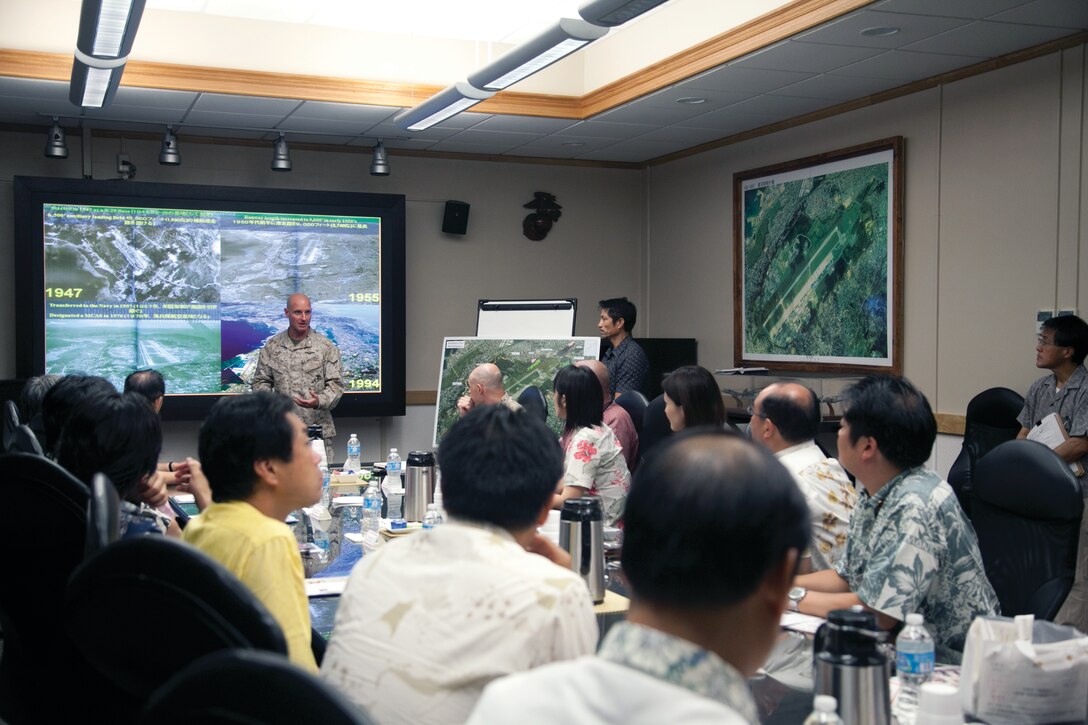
(818, 262)
(522, 362)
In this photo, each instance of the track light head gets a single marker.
(55, 147)
(281, 157)
(169, 156)
(380, 165)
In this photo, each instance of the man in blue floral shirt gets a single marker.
(909, 547)
(703, 618)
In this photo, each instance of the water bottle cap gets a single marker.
(915, 620)
(825, 703)
(939, 698)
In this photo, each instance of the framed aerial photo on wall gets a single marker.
(818, 262)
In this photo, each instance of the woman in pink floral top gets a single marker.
(594, 458)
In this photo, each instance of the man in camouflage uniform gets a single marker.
(304, 366)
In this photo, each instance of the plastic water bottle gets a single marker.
(393, 486)
(430, 519)
(326, 494)
(824, 711)
(372, 509)
(914, 658)
(351, 462)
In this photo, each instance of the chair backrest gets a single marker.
(655, 426)
(1026, 508)
(990, 421)
(11, 422)
(145, 608)
(532, 400)
(243, 687)
(23, 440)
(43, 524)
(103, 516)
(635, 404)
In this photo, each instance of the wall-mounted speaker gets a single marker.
(455, 218)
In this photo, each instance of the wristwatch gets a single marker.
(796, 595)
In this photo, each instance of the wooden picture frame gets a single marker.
(818, 262)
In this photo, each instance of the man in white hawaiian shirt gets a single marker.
(428, 620)
(785, 420)
(910, 548)
(702, 618)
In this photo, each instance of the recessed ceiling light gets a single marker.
(880, 31)
(691, 100)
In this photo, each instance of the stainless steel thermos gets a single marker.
(581, 533)
(418, 485)
(851, 665)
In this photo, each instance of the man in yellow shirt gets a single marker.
(260, 467)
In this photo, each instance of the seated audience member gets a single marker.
(692, 399)
(627, 363)
(1061, 349)
(30, 403)
(785, 420)
(714, 529)
(260, 467)
(594, 461)
(120, 436)
(615, 417)
(148, 383)
(909, 547)
(427, 621)
(485, 387)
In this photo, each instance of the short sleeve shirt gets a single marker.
(594, 461)
(831, 499)
(627, 366)
(1070, 403)
(910, 549)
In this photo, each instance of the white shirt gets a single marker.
(427, 621)
(831, 498)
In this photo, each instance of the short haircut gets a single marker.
(62, 398)
(895, 413)
(239, 431)
(118, 435)
(499, 467)
(796, 422)
(707, 518)
(694, 389)
(1070, 331)
(32, 394)
(148, 383)
(620, 308)
(585, 399)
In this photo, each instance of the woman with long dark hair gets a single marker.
(594, 462)
(692, 398)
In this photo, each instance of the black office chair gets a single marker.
(243, 687)
(11, 422)
(1026, 508)
(635, 404)
(23, 440)
(103, 516)
(43, 527)
(145, 608)
(655, 427)
(991, 420)
(532, 400)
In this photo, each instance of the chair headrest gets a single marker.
(1028, 479)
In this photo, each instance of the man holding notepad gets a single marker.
(1061, 349)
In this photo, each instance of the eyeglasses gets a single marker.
(1043, 342)
(752, 412)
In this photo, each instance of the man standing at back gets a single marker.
(626, 362)
(714, 529)
(428, 620)
(257, 457)
(909, 547)
(785, 420)
(615, 417)
(304, 366)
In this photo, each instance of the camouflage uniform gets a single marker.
(296, 369)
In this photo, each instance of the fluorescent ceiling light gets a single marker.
(563, 38)
(611, 13)
(93, 87)
(108, 27)
(440, 106)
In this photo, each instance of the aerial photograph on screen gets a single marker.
(816, 256)
(523, 363)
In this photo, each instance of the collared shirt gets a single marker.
(831, 498)
(619, 420)
(263, 553)
(640, 675)
(510, 403)
(594, 461)
(295, 368)
(1070, 403)
(428, 620)
(628, 366)
(910, 549)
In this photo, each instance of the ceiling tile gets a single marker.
(500, 141)
(29, 88)
(394, 143)
(636, 112)
(905, 65)
(989, 39)
(752, 81)
(776, 107)
(912, 28)
(184, 130)
(317, 125)
(153, 98)
(524, 124)
(568, 144)
(137, 113)
(667, 98)
(389, 131)
(631, 151)
(454, 147)
(347, 112)
(222, 103)
(681, 135)
(33, 119)
(838, 87)
(60, 107)
(973, 9)
(1060, 13)
(605, 129)
(231, 120)
(791, 54)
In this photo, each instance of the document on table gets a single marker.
(797, 622)
(332, 586)
(1051, 433)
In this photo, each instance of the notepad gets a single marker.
(1051, 433)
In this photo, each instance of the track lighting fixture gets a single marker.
(55, 147)
(281, 157)
(169, 156)
(380, 165)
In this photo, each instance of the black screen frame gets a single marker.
(31, 193)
